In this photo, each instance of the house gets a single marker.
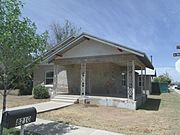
(96, 69)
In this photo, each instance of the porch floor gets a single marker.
(102, 100)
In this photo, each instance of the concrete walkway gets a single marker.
(46, 127)
(42, 107)
(45, 106)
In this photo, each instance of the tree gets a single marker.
(164, 78)
(61, 33)
(19, 44)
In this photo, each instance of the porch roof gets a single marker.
(73, 41)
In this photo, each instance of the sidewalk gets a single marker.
(177, 91)
(46, 127)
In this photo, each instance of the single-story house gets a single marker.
(94, 68)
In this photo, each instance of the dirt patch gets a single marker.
(14, 101)
(158, 116)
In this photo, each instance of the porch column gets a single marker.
(142, 81)
(55, 79)
(83, 79)
(131, 80)
(145, 80)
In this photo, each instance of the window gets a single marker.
(123, 79)
(49, 77)
(140, 81)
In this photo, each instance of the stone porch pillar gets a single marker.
(145, 88)
(131, 80)
(142, 81)
(83, 79)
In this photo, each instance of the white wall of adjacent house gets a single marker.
(91, 48)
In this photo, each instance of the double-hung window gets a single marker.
(49, 77)
(123, 79)
(140, 81)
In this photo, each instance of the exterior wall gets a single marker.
(91, 48)
(148, 86)
(106, 79)
(39, 73)
(101, 79)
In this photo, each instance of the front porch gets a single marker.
(101, 80)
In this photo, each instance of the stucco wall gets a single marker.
(39, 73)
(102, 79)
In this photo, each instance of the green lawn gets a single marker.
(16, 132)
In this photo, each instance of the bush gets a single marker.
(40, 92)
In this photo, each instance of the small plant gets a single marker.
(40, 92)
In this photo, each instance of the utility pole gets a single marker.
(178, 53)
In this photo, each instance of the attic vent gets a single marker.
(120, 50)
(60, 55)
(87, 38)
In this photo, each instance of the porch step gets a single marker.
(65, 98)
(68, 96)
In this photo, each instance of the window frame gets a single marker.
(140, 81)
(124, 79)
(49, 77)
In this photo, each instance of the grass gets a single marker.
(14, 101)
(159, 115)
(14, 131)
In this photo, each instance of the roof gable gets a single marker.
(92, 48)
(73, 42)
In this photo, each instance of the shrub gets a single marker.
(40, 92)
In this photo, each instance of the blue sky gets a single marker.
(152, 26)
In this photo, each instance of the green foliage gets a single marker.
(40, 92)
(14, 131)
(62, 32)
(19, 43)
(25, 88)
(165, 78)
(24, 84)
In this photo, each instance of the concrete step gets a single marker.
(68, 98)
(63, 100)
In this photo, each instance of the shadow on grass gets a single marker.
(54, 128)
(156, 93)
(151, 104)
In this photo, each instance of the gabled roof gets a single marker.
(72, 41)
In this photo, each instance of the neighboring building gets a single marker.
(89, 66)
